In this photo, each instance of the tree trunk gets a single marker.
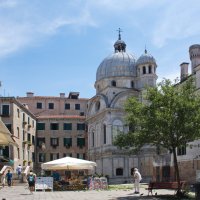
(177, 176)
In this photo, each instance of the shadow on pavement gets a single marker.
(141, 197)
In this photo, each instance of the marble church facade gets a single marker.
(118, 77)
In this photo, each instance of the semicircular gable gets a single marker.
(97, 103)
(119, 100)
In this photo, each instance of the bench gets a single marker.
(165, 185)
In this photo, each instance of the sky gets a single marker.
(50, 47)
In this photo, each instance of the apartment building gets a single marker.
(61, 129)
(22, 125)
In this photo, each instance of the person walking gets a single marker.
(9, 178)
(19, 171)
(31, 181)
(137, 178)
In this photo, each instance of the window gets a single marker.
(113, 83)
(67, 126)
(40, 141)
(54, 142)
(42, 157)
(150, 69)
(144, 70)
(9, 127)
(93, 139)
(166, 173)
(18, 132)
(54, 156)
(40, 126)
(67, 106)
(33, 139)
(80, 142)
(18, 153)
(77, 106)
(80, 127)
(67, 154)
(29, 137)
(24, 135)
(82, 113)
(67, 142)
(132, 84)
(104, 134)
(28, 120)
(51, 105)
(97, 105)
(119, 172)
(18, 113)
(39, 105)
(54, 126)
(33, 124)
(81, 155)
(33, 156)
(181, 150)
(5, 110)
(23, 117)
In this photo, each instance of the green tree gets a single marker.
(169, 117)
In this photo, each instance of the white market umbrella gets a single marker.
(68, 163)
(5, 136)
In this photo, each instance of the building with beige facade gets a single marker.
(22, 125)
(61, 128)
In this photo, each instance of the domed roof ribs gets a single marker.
(120, 45)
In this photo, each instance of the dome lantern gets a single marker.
(120, 45)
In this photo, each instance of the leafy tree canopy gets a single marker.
(169, 116)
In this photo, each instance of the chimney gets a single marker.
(184, 70)
(62, 95)
(29, 94)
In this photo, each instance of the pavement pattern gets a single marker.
(23, 193)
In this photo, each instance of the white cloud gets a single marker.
(178, 21)
(22, 26)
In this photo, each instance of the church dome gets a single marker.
(120, 63)
(146, 58)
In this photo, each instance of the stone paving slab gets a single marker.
(22, 193)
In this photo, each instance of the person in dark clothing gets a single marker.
(9, 178)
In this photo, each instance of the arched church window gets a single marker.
(132, 84)
(144, 69)
(97, 105)
(104, 134)
(113, 83)
(93, 138)
(119, 172)
(150, 69)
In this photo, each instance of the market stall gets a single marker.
(69, 164)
